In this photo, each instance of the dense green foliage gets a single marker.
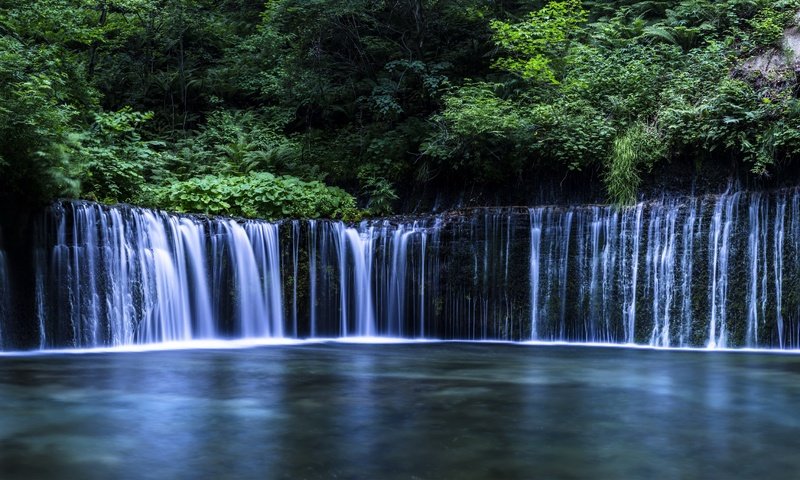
(258, 195)
(257, 108)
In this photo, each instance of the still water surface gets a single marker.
(400, 411)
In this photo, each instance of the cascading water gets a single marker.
(355, 252)
(690, 231)
(713, 271)
(5, 291)
(119, 275)
(679, 273)
(757, 272)
(661, 260)
(536, 244)
(295, 272)
(631, 238)
(719, 245)
(778, 236)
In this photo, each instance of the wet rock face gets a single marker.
(776, 65)
(769, 65)
(791, 44)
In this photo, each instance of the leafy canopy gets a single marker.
(537, 44)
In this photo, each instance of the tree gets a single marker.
(538, 44)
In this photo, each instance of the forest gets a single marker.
(343, 108)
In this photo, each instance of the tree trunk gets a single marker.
(103, 7)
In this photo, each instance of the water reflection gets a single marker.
(433, 411)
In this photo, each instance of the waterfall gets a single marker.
(536, 241)
(778, 268)
(395, 291)
(688, 229)
(358, 292)
(661, 258)
(712, 271)
(295, 272)
(630, 265)
(193, 242)
(723, 221)
(120, 275)
(5, 291)
(655, 262)
(263, 238)
(312, 276)
(756, 263)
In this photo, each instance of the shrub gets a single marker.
(256, 195)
